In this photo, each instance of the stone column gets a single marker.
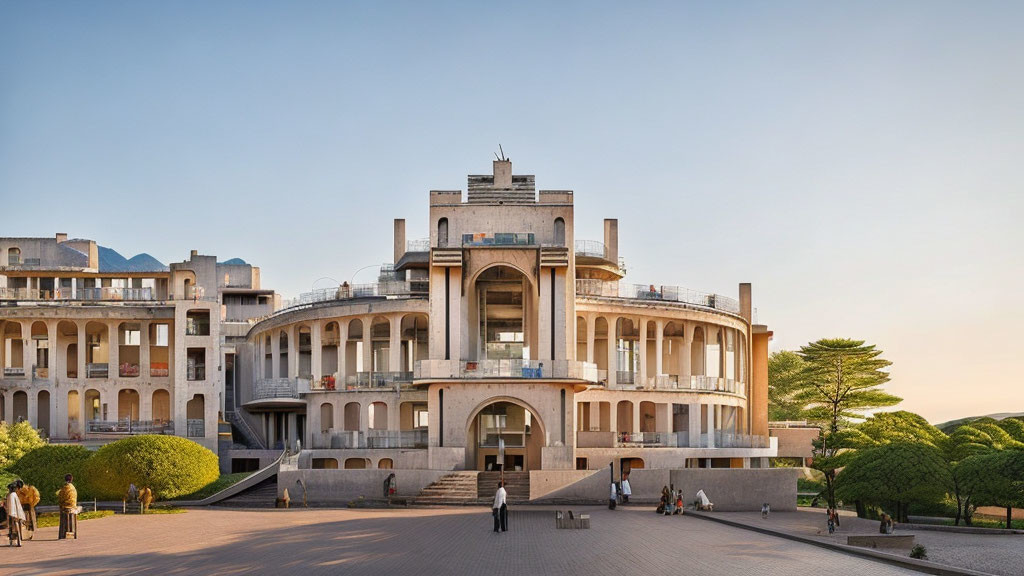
(33, 406)
(712, 408)
(685, 354)
(693, 419)
(636, 417)
(144, 371)
(293, 430)
(81, 350)
(56, 361)
(613, 417)
(364, 417)
(659, 343)
(9, 406)
(395, 345)
(342, 345)
(315, 356)
(612, 353)
(591, 336)
(27, 349)
(595, 415)
(114, 354)
(293, 352)
(643, 353)
(367, 344)
(275, 355)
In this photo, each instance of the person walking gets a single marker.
(29, 497)
(15, 515)
(67, 500)
(626, 490)
(613, 497)
(499, 509)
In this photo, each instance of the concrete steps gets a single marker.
(454, 489)
(517, 486)
(262, 495)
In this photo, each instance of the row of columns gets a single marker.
(689, 328)
(697, 420)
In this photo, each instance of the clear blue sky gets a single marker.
(860, 163)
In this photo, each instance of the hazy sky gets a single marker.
(860, 164)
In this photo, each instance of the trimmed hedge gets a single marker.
(170, 465)
(46, 466)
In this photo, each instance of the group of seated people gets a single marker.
(671, 502)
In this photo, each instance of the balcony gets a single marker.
(128, 370)
(97, 370)
(646, 439)
(396, 438)
(195, 428)
(682, 439)
(81, 294)
(127, 426)
(389, 289)
(14, 372)
(271, 388)
(196, 373)
(159, 370)
(509, 368)
(246, 312)
(41, 373)
(599, 288)
(418, 245)
(630, 380)
(500, 239)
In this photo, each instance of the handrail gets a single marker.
(240, 486)
(653, 292)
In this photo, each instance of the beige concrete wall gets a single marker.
(795, 442)
(338, 487)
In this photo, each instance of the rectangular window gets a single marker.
(196, 364)
(161, 335)
(197, 323)
(131, 338)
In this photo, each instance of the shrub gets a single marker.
(170, 465)
(919, 552)
(46, 466)
(16, 440)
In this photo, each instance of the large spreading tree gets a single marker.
(842, 381)
(785, 383)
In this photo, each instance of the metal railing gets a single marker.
(500, 239)
(422, 245)
(97, 370)
(128, 370)
(195, 428)
(626, 378)
(107, 293)
(730, 440)
(645, 439)
(506, 368)
(592, 287)
(126, 426)
(380, 379)
(396, 438)
(269, 388)
(394, 288)
(196, 373)
(590, 248)
(14, 372)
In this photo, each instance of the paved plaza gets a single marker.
(420, 541)
(990, 553)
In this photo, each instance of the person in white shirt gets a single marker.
(626, 490)
(500, 509)
(613, 497)
(15, 513)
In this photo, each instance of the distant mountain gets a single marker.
(953, 424)
(234, 262)
(112, 261)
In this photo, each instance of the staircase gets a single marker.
(517, 486)
(238, 423)
(262, 495)
(454, 489)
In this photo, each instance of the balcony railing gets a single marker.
(131, 294)
(396, 288)
(40, 373)
(196, 373)
(590, 248)
(270, 388)
(126, 426)
(195, 428)
(630, 379)
(422, 245)
(646, 439)
(729, 440)
(591, 287)
(500, 239)
(97, 370)
(128, 370)
(14, 372)
(396, 438)
(509, 368)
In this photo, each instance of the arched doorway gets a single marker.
(504, 434)
(43, 412)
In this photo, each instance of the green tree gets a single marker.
(16, 440)
(784, 383)
(997, 479)
(894, 476)
(842, 380)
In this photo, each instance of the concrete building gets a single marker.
(503, 342)
(94, 350)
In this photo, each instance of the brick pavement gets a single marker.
(420, 541)
(992, 553)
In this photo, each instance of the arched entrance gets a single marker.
(504, 434)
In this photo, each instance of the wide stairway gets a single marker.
(454, 489)
(262, 495)
(517, 486)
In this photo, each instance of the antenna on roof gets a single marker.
(502, 158)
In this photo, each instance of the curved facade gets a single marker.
(503, 342)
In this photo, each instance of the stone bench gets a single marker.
(568, 520)
(881, 540)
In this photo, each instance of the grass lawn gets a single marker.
(217, 485)
(50, 519)
(988, 522)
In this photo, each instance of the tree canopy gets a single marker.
(785, 382)
(16, 440)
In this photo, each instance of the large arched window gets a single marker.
(559, 232)
(442, 233)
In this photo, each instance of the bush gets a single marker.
(170, 465)
(46, 466)
(16, 440)
(919, 552)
